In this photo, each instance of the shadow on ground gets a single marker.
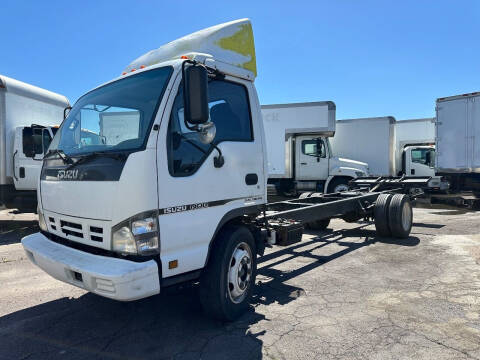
(170, 325)
(12, 231)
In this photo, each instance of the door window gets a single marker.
(229, 110)
(47, 139)
(423, 156)
(314, 147)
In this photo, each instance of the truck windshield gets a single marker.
(114, 117)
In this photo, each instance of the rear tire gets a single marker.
(400, 216)
(381, 214)
(227, 282)
(318, 225)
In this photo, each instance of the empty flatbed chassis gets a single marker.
(386, 200)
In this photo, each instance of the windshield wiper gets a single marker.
(65, 158)
(95, 154)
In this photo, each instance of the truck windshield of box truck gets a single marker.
(120, 114)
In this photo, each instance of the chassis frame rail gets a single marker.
(358, 203)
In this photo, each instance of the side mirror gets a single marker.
(428, 158)
(27, 142)
(195, 94)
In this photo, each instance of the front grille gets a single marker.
(75, 230)
(96, 233)
(64, 223)
(71, 229)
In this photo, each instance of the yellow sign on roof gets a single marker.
(230, 43)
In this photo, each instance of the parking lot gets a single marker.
(339, 294)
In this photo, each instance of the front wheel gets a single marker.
(227, 282)
(338, 185)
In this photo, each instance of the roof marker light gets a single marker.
(184, 57)
(142, 66)
(133, 70)
(124, 73)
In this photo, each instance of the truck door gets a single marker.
(420, 161)
(31, 143)
(195, 196)
(311, 159)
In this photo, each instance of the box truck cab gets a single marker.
(141, 208)
(299, 154)
(418, 160)
(29, 147)
(29, 117)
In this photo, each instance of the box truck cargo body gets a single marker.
(458, 140)
(28, 115)
(371, 140)
(298, 149)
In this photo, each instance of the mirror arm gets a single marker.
(219, 160)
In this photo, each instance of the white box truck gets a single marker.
(390, 147)
(298, 149)
(369, 139)
(29, 118)
(184, 199)
(458, 141)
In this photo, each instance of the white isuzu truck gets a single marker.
(458, 141)
(180, 195)
(298, 149)
(29, 118)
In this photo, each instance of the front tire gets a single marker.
(227, 282)
(338, 185)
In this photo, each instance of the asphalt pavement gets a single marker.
(339, 294)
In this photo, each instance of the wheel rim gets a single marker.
(340, 187)
(239, 272)
(406, 216)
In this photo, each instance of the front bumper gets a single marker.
(114, 278)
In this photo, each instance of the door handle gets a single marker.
(251, 179)
(303, 163)
(412, 171)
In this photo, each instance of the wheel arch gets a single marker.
(335, 178)
(235, 217)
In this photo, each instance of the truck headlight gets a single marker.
(137, 235)
(41, 221)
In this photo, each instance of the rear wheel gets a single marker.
(381, 213)
(227, 282)
(400, 216)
